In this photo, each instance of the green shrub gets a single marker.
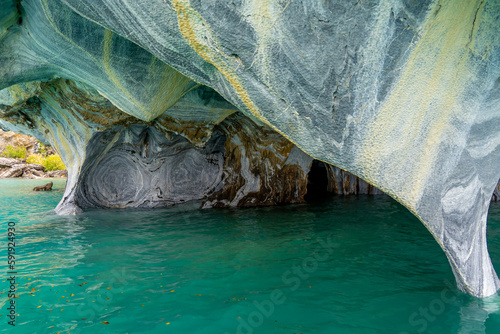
(36, 159)
(18, 152)
(42, 148)
(51, 162)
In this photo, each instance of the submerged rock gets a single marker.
(405, 95)
(47, 187)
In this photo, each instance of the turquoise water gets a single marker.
(350, 265)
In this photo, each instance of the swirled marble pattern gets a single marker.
(141, 167)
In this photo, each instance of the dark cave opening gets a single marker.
(317, 182)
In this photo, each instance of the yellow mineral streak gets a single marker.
(263, 15)
(17, 93)
(163, 89)
(198, 35)
(172, 87)
(415, 118)
(107, 44)
(196, 31)
(22, 92)
(74, 125)
(107, 53)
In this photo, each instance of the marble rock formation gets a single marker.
(200, 149)
(403, 94)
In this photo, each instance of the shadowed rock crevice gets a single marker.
(317, 182)
(261, 167)
(325, 180)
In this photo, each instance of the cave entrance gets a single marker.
(317, 182)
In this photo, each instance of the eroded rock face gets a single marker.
(242, 164)
(10, 168)
(9, 138)
(202, 149)
(404, 94)
(140, 166)
(261, 167)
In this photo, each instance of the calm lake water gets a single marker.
(349, 265)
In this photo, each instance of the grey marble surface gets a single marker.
(141, 167)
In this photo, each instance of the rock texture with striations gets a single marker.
(230, 101)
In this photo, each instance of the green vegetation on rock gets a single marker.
(14, 152)
(51, 162)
